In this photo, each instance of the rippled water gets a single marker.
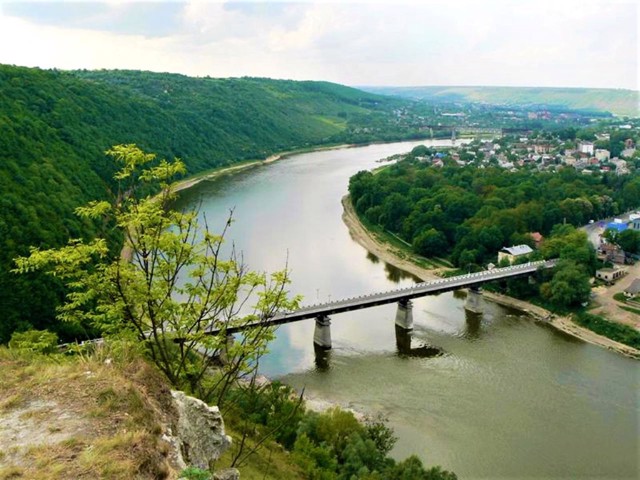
(507, 398)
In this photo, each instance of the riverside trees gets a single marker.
(171, 286)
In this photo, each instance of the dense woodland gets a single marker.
(468, 214)
(55, 127)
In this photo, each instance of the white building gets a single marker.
(513, 253)
(586, 147)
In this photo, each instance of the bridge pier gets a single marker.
(404, 315)
(474, 300)
(224, 352)
(322, 332)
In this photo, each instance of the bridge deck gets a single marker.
(402, 294)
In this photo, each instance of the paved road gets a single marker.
(594, 230)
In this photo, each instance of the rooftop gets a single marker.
(634, 288)
(518, 250)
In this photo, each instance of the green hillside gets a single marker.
(55, 127)
(617, 101)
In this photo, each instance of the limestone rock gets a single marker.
(227, 474)
(200, 431)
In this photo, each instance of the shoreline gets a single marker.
(385, 252)
(217, 172)
(192, 181)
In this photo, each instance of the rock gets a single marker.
(200, 431)
(227, 474)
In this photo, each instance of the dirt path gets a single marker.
(388, 254)
(609, 307)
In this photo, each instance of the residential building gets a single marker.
(610, 275)
(602, 155)
(610, 252)
(633, 290)
(586, 147)
(537, 238)
(514, 253)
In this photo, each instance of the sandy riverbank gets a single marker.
(194, 180)
(388, 254)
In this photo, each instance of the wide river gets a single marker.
(508, 398)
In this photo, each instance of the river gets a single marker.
(508, 398)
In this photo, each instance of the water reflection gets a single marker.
(396, 275)
(322, 358)
(460, 294)
(473, 323)
(406, 350)
(372, 258)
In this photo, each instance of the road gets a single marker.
(594, 230)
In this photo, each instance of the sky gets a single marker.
(546, 43)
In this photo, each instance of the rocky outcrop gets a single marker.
(200, 431)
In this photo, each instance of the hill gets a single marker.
(617, 101)
(55, 127)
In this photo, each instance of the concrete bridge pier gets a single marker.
(403, 341)
(404, 315)
(474, 300)
(224, 352)
(322, 333)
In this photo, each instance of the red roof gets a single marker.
(537, 236)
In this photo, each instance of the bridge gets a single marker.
(401, 296)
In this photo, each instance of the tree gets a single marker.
(430, 243)
(172, 283)
(629, 241)
(569, 286)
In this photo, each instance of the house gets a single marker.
(632, 290)
(586, 147)
(610, 252)
(635, 224)
(542, 148)
(628, 152)
(514, 253)
(537, 238)
(610, 275)
(602, 155)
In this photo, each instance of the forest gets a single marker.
(467, 214)
(55, 127)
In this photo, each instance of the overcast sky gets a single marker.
(568, 43)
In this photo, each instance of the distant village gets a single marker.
(547, 151)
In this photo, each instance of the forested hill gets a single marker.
(55, 127)
(617, 101)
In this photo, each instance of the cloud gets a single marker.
(493, 42)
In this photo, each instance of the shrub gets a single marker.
(37, 341)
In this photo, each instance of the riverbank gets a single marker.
(388, 254)
(220, 171)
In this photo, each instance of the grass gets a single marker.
(615, 331)
(112, 421)
(100, 420)
(631, 309)
(270, 462)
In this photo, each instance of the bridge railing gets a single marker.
(495, 273)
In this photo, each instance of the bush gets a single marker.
(37, 341)
(193, 473)
(614, 331)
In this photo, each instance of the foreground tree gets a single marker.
(171, 284)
